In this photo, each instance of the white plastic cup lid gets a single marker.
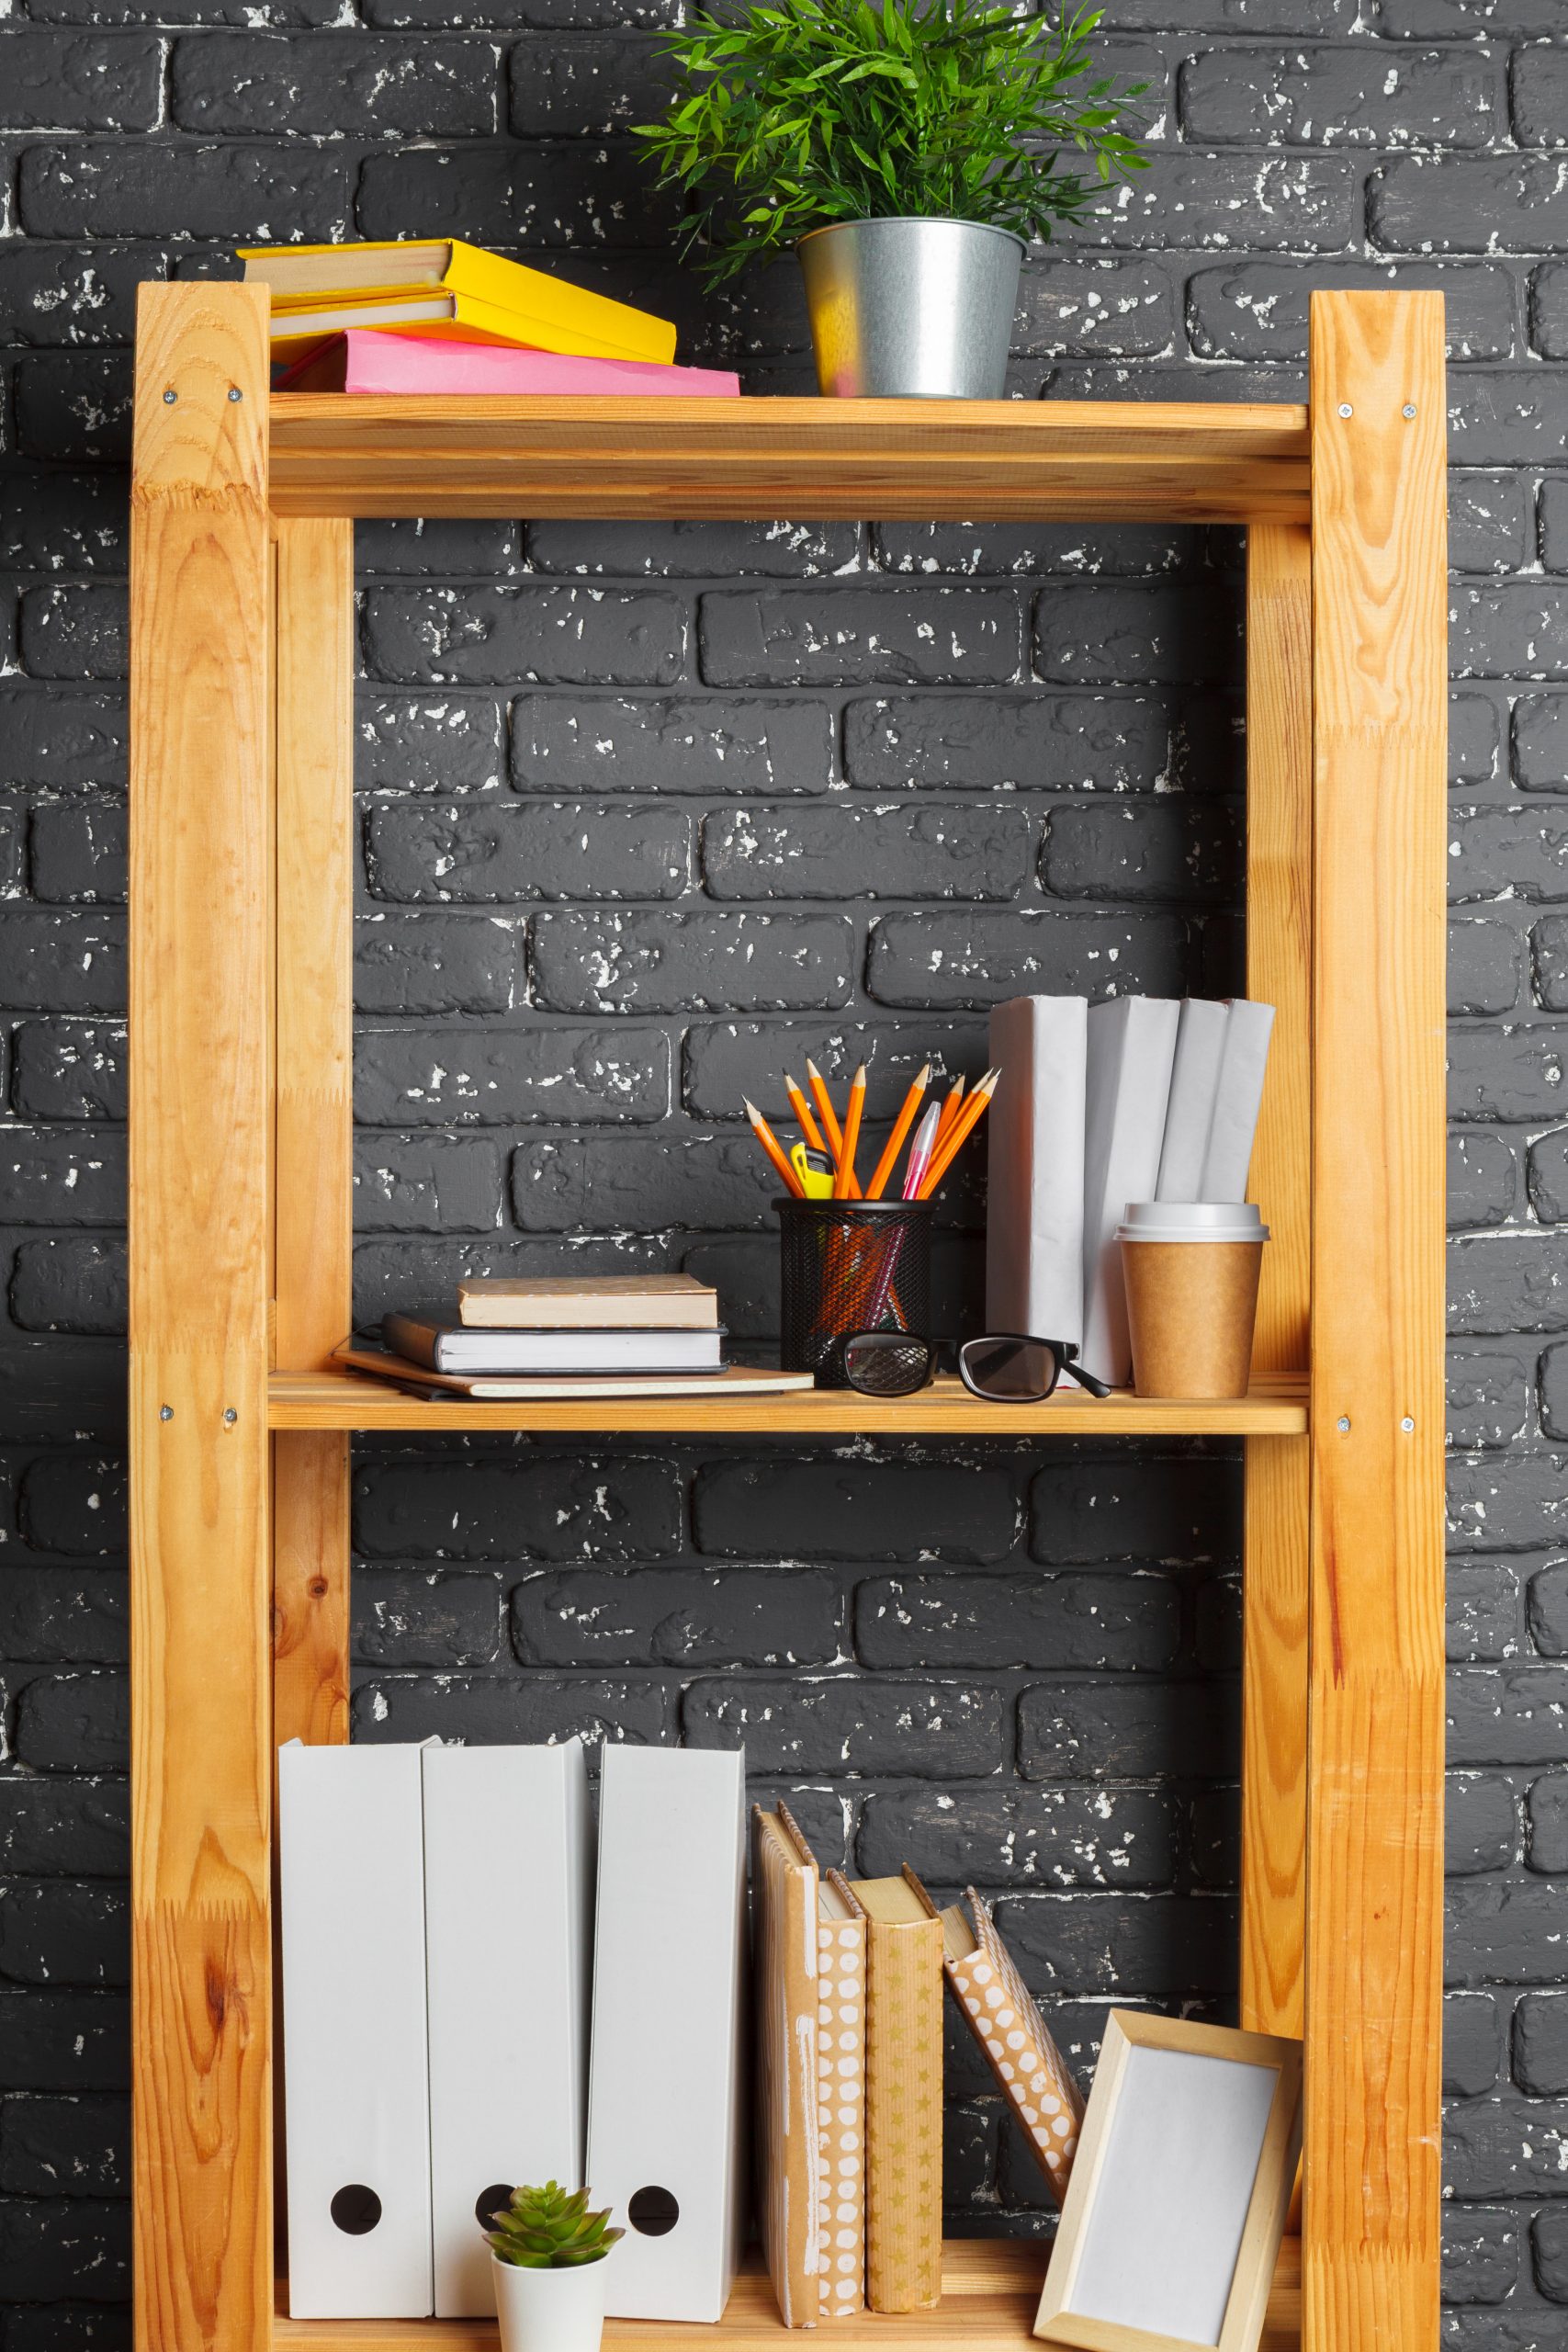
(1191, 1221)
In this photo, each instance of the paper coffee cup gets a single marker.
(1190, 1270)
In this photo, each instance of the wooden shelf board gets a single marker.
(335, 1400)
(991, 2288)
(762, 460)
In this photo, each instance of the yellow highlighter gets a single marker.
(815, 1171)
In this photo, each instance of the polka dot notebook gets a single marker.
(811, 1981)
(785, 1960)
(999, 2010)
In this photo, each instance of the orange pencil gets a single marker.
(883, 1167)
(803, 1120)
(769, 1144)
(949, 1113)
(845, 1187)
(830, 1126)
(824, 1101)
(969, 1118)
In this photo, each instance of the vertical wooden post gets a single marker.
(201, 1700)
(1375, 1734)
(1278, 972)
(314, 995)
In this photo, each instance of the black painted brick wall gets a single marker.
(650, 812)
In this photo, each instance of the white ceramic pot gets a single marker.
(550, 2311)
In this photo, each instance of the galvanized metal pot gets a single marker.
(911, 308)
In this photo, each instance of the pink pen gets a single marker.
(921, 1153)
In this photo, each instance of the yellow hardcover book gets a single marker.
(903, 2094)
(454, 316)
(494, 300)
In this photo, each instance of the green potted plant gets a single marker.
(547, 2254)
(907, 149)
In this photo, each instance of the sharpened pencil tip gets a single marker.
(811, 1069)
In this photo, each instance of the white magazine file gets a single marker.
(351, 1886)
(1194, 1089)
(1239, 1099)
(508, 1885)
(1034, 1253)
(666, 2124)
(1132, 1046)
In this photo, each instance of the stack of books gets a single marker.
(615, 1335)
(422, 315)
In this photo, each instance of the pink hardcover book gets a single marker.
(360, 361)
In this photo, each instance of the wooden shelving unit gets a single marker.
(241, 834)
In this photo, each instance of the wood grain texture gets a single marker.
(1278, 972)
(989, 2291)
(761, 458)
(311, 1587)
(314, 938)
(1274, 1735)
(1279, 921)
(1375, 1754)
(327, 1400)
(313, 993)
(201, 1702)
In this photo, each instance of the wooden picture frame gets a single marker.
(1171, 2206)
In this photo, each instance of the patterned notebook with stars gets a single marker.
(903, 2094)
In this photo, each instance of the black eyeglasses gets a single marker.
(1002, 1367)
(1015, 1368)
(887, 1363)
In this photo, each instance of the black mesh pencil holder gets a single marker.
(850, 1266)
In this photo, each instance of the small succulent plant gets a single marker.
(544, 2229)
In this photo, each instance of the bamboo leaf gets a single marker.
(795, 112)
